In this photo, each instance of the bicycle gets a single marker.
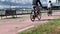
(35, 14)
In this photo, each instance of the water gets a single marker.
(15, 6)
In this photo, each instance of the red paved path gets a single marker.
(11, 26)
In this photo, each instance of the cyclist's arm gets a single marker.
(40, 3)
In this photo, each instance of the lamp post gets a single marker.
(15, 9)
(15, 5)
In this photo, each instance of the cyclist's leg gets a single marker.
(32, 17)
(38, 9)
(34, 9)
(38, 13)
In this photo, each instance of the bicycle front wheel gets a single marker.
(39, 16)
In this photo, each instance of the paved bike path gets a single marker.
(12, 27)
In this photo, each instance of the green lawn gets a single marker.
(52, 27)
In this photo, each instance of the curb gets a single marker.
(25, 28)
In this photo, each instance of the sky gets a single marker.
(30, 1)
(27, 1)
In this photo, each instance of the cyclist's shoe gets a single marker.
(38, 12)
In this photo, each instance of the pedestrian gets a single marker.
(49, 8)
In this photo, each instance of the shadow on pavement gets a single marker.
(46, 20)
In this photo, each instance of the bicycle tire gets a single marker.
(39, 16)
(32, 17)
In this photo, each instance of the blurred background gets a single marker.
(20, 4)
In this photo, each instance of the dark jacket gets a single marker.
(35, 2)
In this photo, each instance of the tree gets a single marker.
(58, 0)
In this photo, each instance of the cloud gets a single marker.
(24, 1)
(13, 1)
(27, 1)
(30, 1)
(44, 2)
(2, 0)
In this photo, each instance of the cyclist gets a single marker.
(35, 4)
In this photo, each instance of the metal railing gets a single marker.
(21, 12)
